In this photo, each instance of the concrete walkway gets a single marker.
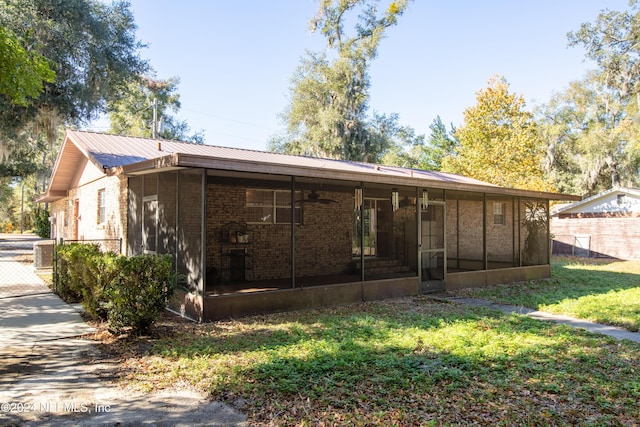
(52, 374)
(618, 333)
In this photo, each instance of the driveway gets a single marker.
(53, 374)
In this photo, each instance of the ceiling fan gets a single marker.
(314, 197)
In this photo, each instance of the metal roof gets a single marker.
(133, 155)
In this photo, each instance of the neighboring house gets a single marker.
(604, 225)
(255, 232)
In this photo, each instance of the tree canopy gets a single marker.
(591, 129)
(498, 142)
(592, 137)
(90, 45)
(22, 72)
(440, 144)
(612, 41)
(133, 113)
(328, 111)
(60, 64)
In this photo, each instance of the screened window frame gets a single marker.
(499, 213)
(102, 207)
(272, 218)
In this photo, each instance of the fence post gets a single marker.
(56, 276)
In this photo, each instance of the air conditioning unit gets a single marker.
(43, 254)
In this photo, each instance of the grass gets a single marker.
(597, 290)
(401, 362)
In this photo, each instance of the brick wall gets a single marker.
(323, 240)
(500, 237)
(86, 220)
(465, 231)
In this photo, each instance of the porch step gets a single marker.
(382, 265)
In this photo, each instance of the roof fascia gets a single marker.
(379, 177)
(83, 149)
(605, 193)
(50, 196)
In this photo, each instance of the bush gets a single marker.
(139, 292)
(84, 273)
(71, 269)
(128, 292)
(41, 224)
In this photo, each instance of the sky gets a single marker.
(235, 59)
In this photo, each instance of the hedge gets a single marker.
(128, 292)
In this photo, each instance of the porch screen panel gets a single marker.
(166, 243)
(134, 222)
(465, 236)
(150, 224)
(267, 254)
(534, 232)
(500, 232)
(283, 207)
(404, 241)
(390, 234)
(323, 242)
(189, 233)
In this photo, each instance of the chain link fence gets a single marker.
(571, 244)
(18, 276)
(28, 264)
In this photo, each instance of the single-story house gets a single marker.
(604, 225)
(254, 232)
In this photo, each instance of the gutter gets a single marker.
(377, 174)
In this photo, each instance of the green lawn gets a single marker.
(401, 362)
(601, 291)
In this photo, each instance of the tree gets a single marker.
(613, 43)
(94, 53)
(440, 144)
(91, 48)
(499, 141)
(327, 115)
(22, 72)
(133, 114)
(604, 119)
(592, 137)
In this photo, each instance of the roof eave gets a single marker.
(179, 160)
(50, 196)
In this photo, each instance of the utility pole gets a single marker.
(22, 209)
(155, 117)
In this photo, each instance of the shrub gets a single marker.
(41, 224)
(139, 291)
(84, 272)
(71, 269)
(128, 292)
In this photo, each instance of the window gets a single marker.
(67, 213)
(271, 206)
(102, 207)
(498, 213)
